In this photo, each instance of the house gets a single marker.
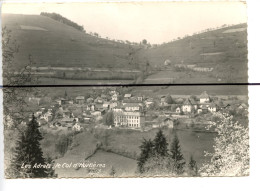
(88, 119)
(125, 101)
(127, 96)
(76, 127)
(96, 113)
(90, 100)
(187, 106)
(112, 91)
(204, 109)
(106, 105)
(63, 101)
(98, 100)
(243, 106)
(178, 110)
(193, 103)
(70, 102)
(212, 107)
(80, 99)
(90, 107)
(113, 104)
(58, 101)
(132, 107)
(67, 122)
(167, 62)
(103, 96)
(99, 106)
(148, 102)
(114, 97)
(163, 101)
(204, 97)
(47, 116)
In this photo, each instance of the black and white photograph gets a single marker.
(129, 90)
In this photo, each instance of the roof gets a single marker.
(128, 95)
(131, 105)
(213, 104)
(67, 120)
(80, 97)
(132, 101)
(204, 107)
(187, 102)
(204, 95)
(193, 102)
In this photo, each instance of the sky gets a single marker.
(156, 22)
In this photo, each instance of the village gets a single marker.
(111, 108)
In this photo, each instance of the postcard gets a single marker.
(141, 89)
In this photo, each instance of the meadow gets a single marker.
(121, 149)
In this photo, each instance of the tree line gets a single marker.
(64, 20)
(157, 160)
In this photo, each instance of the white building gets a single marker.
(204, 97)
(128, 118)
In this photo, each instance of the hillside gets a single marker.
(224, 50)
(52, 43)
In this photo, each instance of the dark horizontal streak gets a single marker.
(132, 85)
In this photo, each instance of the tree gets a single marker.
(159, 166)
(177, 156)
(231, 148)
(108, 119)
(144, 41)
(13, 97)
(169, 99)
(193, 168)
(147, 152)
(28, 152)
(160, 144)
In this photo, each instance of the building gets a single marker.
(90, 100)
(76, 127)
(187, 106)
(114, 97)
(163, 101)
(132, 107)
(80, 99)
(106, 105)
(129, 119)
(204, 97)
(212, 107)
(127, 96)
(148, 102)
(90, 107)
(178, 110)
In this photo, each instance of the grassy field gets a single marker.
(62, 45)
(119, 141)
(199, 49)
(154, 91)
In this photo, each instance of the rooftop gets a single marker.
(204, 95)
